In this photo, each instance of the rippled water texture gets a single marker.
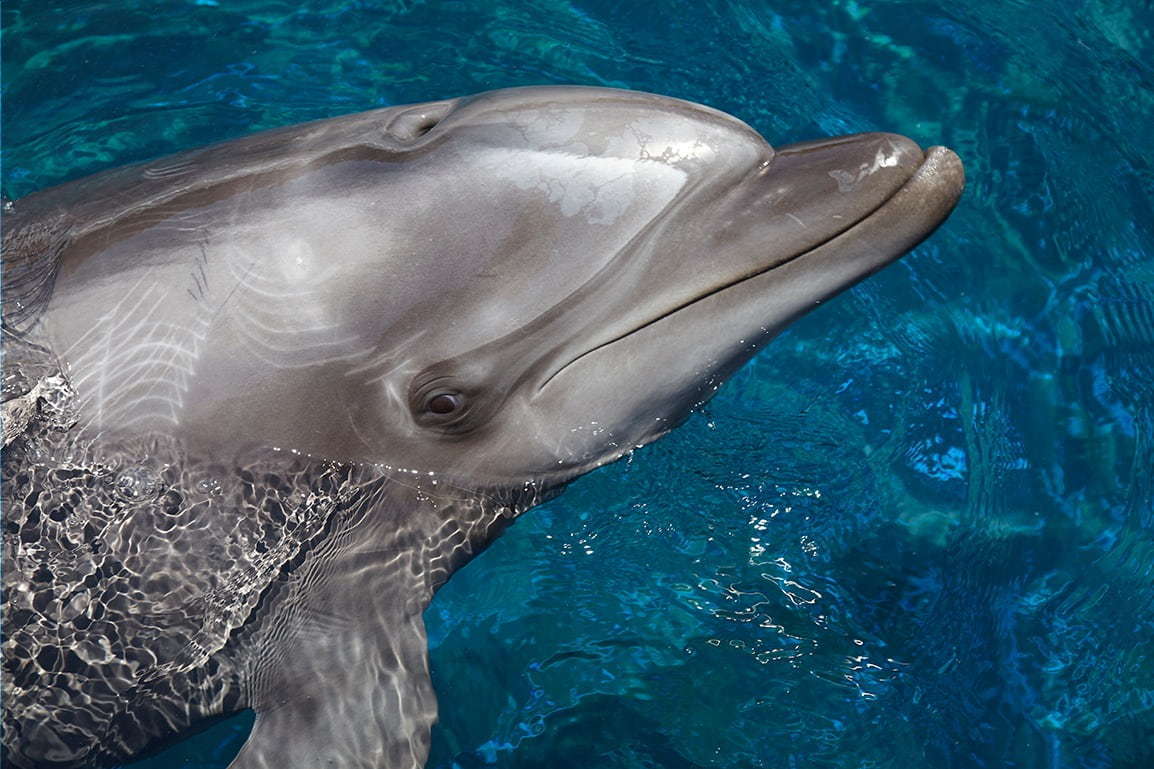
(916, 531)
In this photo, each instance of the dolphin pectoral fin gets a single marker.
(346, 700)
(339, 674)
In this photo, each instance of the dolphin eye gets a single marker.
(444, 403)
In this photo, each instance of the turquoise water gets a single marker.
(918, 530)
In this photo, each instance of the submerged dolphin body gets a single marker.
(263, 398)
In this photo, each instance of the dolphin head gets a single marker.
(588, 265)
(516, 286)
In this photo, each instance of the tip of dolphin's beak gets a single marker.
(932, 191)
(943, 168)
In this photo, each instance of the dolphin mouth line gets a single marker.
(931, 158)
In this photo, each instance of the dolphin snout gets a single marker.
(813, 191)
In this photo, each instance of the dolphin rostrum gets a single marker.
(262, 399)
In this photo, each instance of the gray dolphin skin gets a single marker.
(262, 399)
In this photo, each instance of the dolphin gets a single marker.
(262, 399)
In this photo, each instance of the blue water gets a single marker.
(917, 531)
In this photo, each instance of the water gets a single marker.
(918, 530)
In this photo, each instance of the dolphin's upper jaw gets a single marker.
(813, 191)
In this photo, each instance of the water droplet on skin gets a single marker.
(208, 486)
(58, 402)
(136, 483)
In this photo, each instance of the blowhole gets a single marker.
(414, 123)
(422, 128)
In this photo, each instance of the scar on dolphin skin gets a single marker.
(262, 399)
